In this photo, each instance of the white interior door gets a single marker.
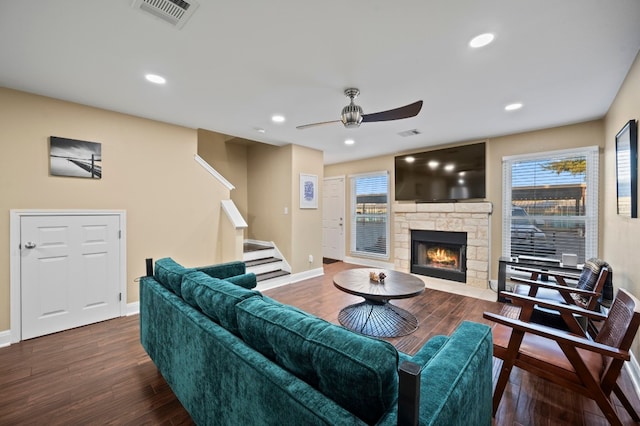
(333, 218)
(69, 271)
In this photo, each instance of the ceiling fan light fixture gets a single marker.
(351, 115)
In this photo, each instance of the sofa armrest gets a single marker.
(409, 393)
(248, 281)
(224, 270)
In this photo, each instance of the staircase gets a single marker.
(264, 260)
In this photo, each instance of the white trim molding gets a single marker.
(233, 214)
(633, 369)
(5, 338)
(213, 172)
(290, 279)
(133, 308)
(371, 263)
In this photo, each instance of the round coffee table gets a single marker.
(376, 316)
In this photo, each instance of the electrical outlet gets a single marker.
(310, 258)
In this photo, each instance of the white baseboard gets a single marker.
(372, 263)
(5, 338)
(290, 279)
(133, 308)
(633, 369)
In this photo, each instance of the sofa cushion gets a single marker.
(216, 298)
(358, 372)
(169, 273)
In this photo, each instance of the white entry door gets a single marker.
(333, 218)
(69, 271)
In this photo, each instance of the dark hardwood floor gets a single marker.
(99, 374)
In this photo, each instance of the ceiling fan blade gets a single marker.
(406, 111)
(305, 126)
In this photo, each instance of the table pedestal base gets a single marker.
(378, 319)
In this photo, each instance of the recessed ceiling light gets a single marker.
(154, 78)
(277, 118)
(481, 40)
(349, 142)
(410, 159)
(433, 164)
(513, 106)
(260, 130)
(449, 167)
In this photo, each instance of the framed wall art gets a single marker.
(74, 158)
(308, 191)
(627, 170)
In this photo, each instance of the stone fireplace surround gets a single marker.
(472, 218)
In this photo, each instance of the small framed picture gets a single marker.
(308, 191)
(74, 158)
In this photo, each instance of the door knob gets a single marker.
(29, 245)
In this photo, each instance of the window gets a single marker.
(370, 215)
(551, 204)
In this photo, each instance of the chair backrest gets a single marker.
(595, 276)
(621, 325)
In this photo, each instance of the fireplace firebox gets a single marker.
(439, 254)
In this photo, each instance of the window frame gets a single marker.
(353, 217)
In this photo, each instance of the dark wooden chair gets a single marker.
(587, 292)
(589, 367)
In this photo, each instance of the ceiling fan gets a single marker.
(352, 115)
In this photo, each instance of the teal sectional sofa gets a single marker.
(233, 356)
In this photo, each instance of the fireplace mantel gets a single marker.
(472, 218)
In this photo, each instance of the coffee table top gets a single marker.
(397, 285)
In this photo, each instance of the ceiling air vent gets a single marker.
(411, 132)
(175, 12)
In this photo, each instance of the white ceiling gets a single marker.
(236, 63)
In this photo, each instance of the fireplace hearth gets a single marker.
(439, 254)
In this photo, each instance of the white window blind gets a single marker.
(370, 214)
(551, 204)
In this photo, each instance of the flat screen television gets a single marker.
(449, 174)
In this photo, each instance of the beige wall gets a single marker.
(274, 182)
(621, 235)
(578, 135)
(172, 203)
(228, 155)
(376, 164)
(306, 223)
(269, 172)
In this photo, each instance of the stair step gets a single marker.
(262, 261)
(248, 247)
(270, 275)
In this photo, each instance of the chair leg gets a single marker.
(625, 403)
(607, 408)
(501, 384)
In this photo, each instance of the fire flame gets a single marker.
(442, 256)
